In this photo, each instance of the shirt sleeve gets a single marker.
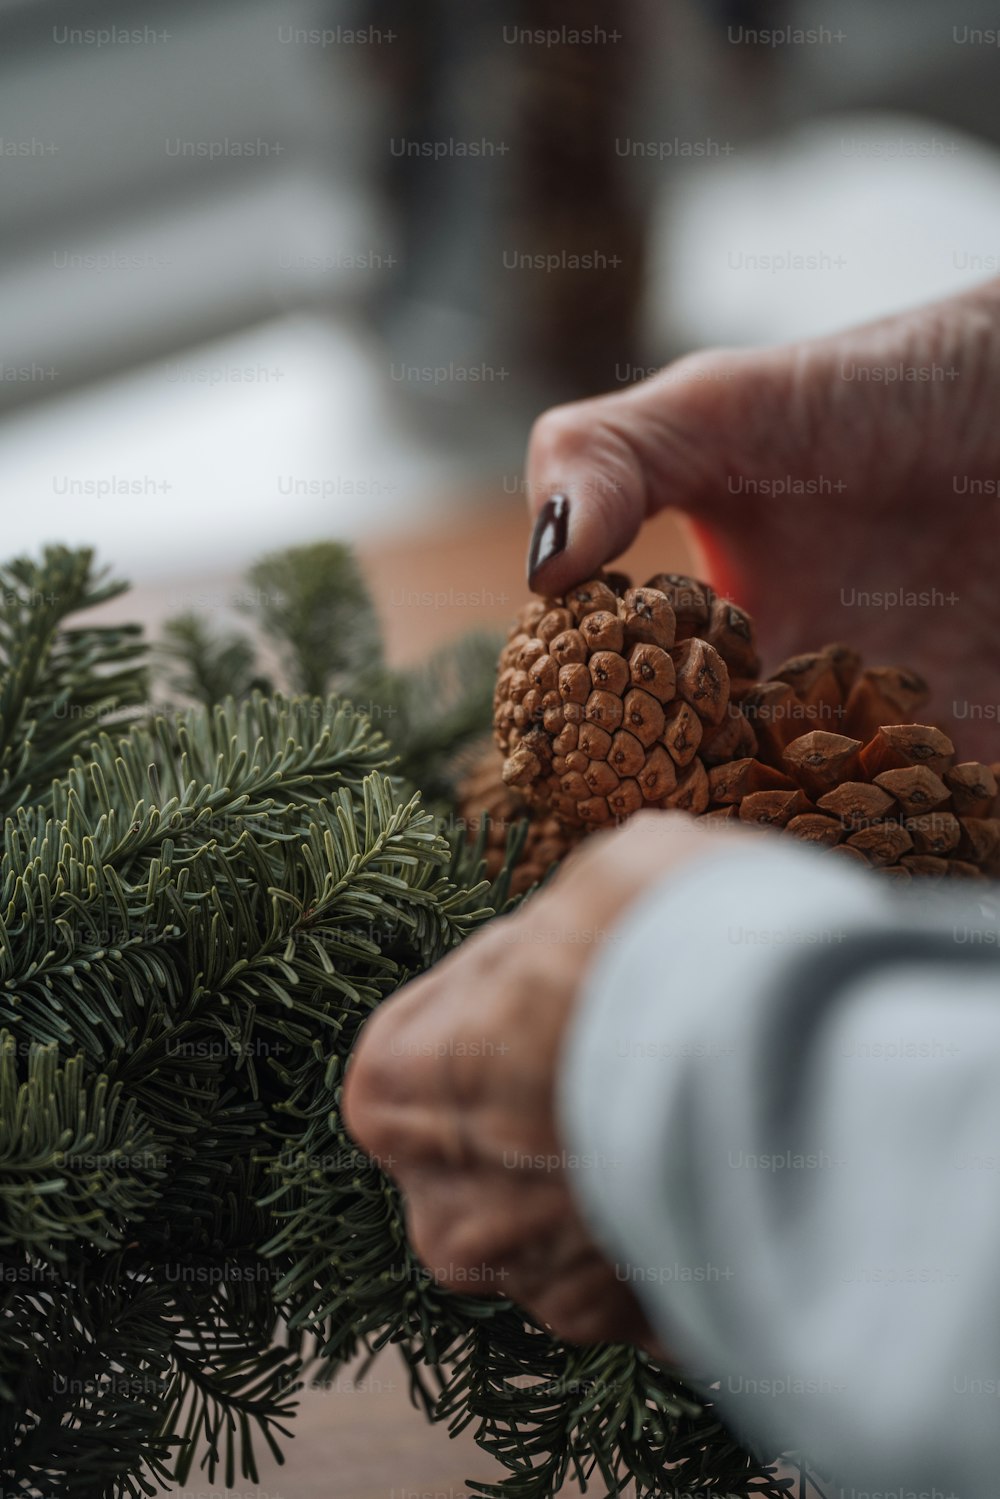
(784, 1079)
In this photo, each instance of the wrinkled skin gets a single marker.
(451, 1087)
(694, 435)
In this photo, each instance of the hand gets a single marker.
(453, 1081)
(894, 469)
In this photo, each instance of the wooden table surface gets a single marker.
(430, 586)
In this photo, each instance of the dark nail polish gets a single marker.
(548, 538)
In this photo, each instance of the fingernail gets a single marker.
(548, 538)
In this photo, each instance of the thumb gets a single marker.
(598, 468)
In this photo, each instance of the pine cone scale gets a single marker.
(614, 699)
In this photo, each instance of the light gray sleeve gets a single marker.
(784, 1084)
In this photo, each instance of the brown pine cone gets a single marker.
(827, 689)
(837, 765)
(615, 698)
(899, 803)
(482, 795)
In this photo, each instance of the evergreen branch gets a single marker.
(87, 1422)
(196, 918)
(58, 684)
(432, 711)
(205, 667)
(76, 1159)
(242, 1388)
(312, 604)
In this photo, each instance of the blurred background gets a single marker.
(273, 272)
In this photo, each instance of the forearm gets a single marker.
(793, 1202)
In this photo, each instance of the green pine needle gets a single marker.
(197, 913)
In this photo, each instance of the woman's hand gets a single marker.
(815, 474)
(453, 1082)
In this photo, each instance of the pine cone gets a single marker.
(482, 792)
(616, 698)
(899, 802)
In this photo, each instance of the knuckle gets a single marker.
(569, 1320)
(366, 1084)
(500, 957)
(581, 1308)
(453, 1254)
(560, 433)
(599, 441)
(579, 865)
(422, 1240)
(716, 366)
(461, 1252)
(647, 821)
